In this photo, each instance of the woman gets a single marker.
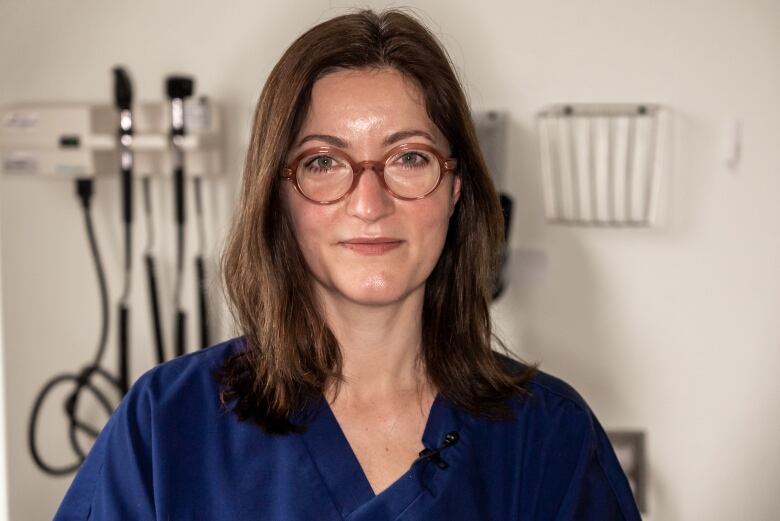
(359, 271)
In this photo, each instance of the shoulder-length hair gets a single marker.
(290, 354)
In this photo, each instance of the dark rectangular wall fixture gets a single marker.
(630, 449)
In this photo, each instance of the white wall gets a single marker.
(3, 444)
(672, 330)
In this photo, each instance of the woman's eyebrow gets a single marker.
(389, 140)
(403, 134)
(332, 140)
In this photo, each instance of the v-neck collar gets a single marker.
(348, 485)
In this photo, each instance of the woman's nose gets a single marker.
(370, 201)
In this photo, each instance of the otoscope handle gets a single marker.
(154, 301)
(124, 361)
(181, 332)
(180, 191)
(200, 269)
(127, 195)
(123, 98)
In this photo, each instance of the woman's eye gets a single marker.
(413, 159)
(321, 163)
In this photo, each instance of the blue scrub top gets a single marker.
(169, 453)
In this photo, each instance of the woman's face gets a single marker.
(360, 110)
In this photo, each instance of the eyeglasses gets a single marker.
(410, 171)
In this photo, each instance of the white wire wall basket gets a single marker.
(599, 163)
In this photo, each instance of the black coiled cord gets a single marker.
(84, 378)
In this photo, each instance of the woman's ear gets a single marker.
(455, 194)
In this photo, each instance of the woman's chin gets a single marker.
(383, 295)
(370, 291)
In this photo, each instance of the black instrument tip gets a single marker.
(123, 90)
(179, 86)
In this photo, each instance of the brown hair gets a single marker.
(291, 354)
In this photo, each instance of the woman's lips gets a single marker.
(371, 246)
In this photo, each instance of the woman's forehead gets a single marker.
(363, 104)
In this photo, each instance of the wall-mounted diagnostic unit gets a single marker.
(174, 141)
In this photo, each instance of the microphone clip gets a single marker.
(434, 455)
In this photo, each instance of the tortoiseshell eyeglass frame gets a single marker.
(358, 167)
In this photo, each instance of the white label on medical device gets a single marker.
(20, 163)
(20, 120)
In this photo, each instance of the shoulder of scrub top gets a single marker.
(544, 381)
(189, 375)
(564, 424)
(547, 391)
